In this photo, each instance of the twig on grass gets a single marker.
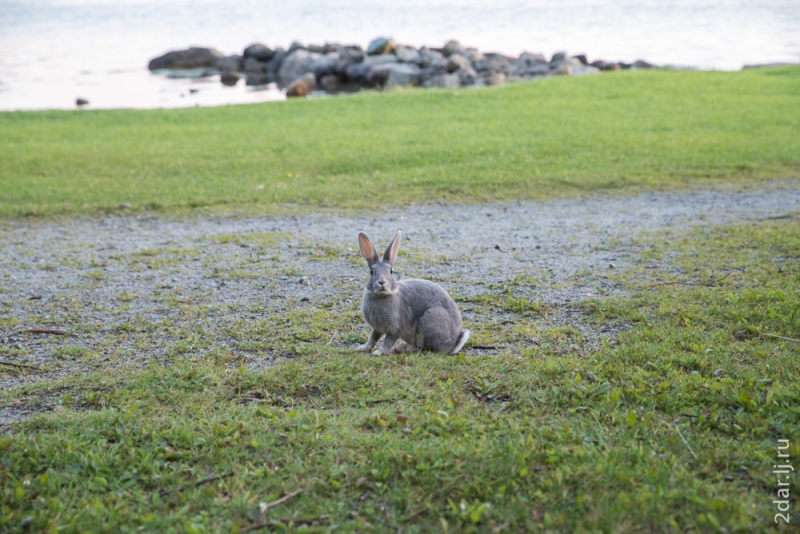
(483, 347)
(685, 442)
(782, 337)
(164, 493)
(50, 331)
(20, 365)
(282, 500)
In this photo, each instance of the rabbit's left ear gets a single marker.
(391, 251)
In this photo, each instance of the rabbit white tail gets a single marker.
(462, 338)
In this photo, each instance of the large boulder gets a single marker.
(381, 45)
(357, 72)
(325, 64)
(452, 47)
(348, 55)
(558, 56)
(406, 54)
(258, 51)
(302, 86)
(274, 64)
(642, 64)
(467, 76)
(295, 65)
(192, 58)
(228, 64)
(456, 62)
(492, 62)
(251, 64)
(431, 59)
(393, 75)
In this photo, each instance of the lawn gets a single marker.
(558, 136)
(672, 427)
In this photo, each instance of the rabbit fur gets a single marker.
(418, 312)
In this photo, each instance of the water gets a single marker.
(54, 51)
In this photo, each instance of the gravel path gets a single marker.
(101, 275)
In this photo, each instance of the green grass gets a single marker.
(672, 428)
(559, 136)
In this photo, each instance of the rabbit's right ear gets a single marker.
(367, 249)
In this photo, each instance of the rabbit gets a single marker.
(417, 311)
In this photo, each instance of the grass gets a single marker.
(559, 136)
(673, 427)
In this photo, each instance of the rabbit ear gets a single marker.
(391, 251)
(367, 249)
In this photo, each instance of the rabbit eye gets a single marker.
(391, 271)
(371, 272)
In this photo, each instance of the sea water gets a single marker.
(54, 51)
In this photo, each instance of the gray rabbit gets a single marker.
(417, 311)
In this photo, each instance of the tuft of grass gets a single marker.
(672, 426)
(555, 137)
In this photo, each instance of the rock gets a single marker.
(348, 55)
(295, 65)
(581, 58)
(584, 70)
(192, 58)
(406, 54)
(260, 78)
(431, 59)
(456, 62)
(603, 65)
(229, 64)
(296, 45)
(229, 79)
(565, 65)
(530, 58)
(258, 51)
(331, 47)
(719, 373)
(332, 83)
(494, 78)
(81, 102)
(302, 86)
(325, 64)
(558, 56)
(642, 64)
(357, 72)
(317, 49)
(493, 62)
(467, 76)
(251, 64)
(381, 45)
(473, 55)
(274, 64)
(452, 47)
(394, 75)
(444, 81)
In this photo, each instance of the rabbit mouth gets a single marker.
(385, 292)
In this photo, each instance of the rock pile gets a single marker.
(335, 68)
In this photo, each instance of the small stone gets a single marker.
(361, 481)
(611, 266)
(305, 299)
(497, 247)
(718, 373)
(302, 86)
(588, 375)
(401, 417)
(305, 281)
(229, 79)
(81, 102)
(124, 206)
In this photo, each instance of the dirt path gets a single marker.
(105, 277)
